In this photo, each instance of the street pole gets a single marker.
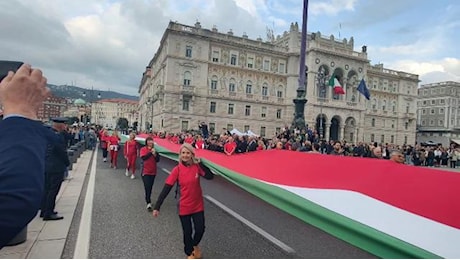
(300, 100)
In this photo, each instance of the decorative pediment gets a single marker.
(188, 64)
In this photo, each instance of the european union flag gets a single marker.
(364, 90)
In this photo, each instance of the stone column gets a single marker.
(342, 132)
(327, 132)
(355, 141)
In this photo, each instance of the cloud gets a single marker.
(447, 69)
(332, 7)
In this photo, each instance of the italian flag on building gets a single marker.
(335, 83)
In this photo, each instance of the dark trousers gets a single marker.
(148, 181)
(53, 182)
(104, 153)
(191, 238)
(453, 164)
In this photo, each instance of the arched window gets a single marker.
(232, 85)
(265, 90)
(187, 78)
(214, 83)
(374, 103)
(393, 106)
(249, 87)
(384, 105)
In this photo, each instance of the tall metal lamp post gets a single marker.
(300, 100)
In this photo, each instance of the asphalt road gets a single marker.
(123, 228)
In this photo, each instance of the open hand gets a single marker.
(155, 213)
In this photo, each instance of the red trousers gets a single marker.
(113, 157)
(131, 163)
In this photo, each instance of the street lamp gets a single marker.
(300, 100)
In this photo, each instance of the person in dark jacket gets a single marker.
(56, 164)
(191, 204)
(23, 144)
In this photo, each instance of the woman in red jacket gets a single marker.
(150, 158)
(104, 140)
(130, 153)
(113, 143)
(191, 205)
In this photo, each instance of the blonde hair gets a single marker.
(190, 148)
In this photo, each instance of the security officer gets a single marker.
(56, 163)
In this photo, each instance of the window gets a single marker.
(214, 83)
(262, 131)
(188, 51)
(278, 113)
(278, 130)
(393, 106)
(423, 122)
(231, 108)
(162, 123)
(392, 124)
(373, 122)
(185, 104)
(441, 123)
(247, 111)
(382, 139)
(372, 137)
(250, 62)
(212, 127)
(279, 94)
(424, 102)
(441, 111)
(215, 56)
(246, 128)
(374, 104)
(442, 101)
(249, 88)
(233, 59)
(263, 112)
(406, 125)
(212, 107)
(392, 139)
(264, 91)
(266, 65)
(433, 102)
(282, 67)
(423, 111)
(187, 78)
(231, 86)
(407, 107)
(432, 111)
(384, 105)
(431, 122)
(184, 125)
(229, 127)
(405, 139)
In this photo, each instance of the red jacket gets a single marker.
(130, 148)
(150, 161)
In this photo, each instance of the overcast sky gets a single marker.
(107, 43)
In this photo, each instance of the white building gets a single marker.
(438, 113)
(106, 112)
(235, 82)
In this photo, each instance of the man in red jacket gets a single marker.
(150, 158)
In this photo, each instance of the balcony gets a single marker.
(188, 90)
(232, 94)
(265, 98)
(280, 100)
(249, 96)
(214, 92)
(353, 104)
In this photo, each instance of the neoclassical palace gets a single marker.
(231, 81)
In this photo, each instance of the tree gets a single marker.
(122, 123)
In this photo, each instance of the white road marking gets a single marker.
(84, 231)
(166, 170)
(251, 225)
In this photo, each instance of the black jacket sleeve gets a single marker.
(157, 157)
(207, 172)
(22, 166)
(164, 193)
(147, 156)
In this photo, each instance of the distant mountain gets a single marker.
(74, 92)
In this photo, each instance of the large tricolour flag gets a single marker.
(335, 84)
(388, 209)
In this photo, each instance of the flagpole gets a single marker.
(300, 100)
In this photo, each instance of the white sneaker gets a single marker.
(132, 177)
(105, 159)
(149, 207)
(126, 173)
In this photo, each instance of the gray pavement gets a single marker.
(46, 239)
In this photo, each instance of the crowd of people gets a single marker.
(309, 141)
